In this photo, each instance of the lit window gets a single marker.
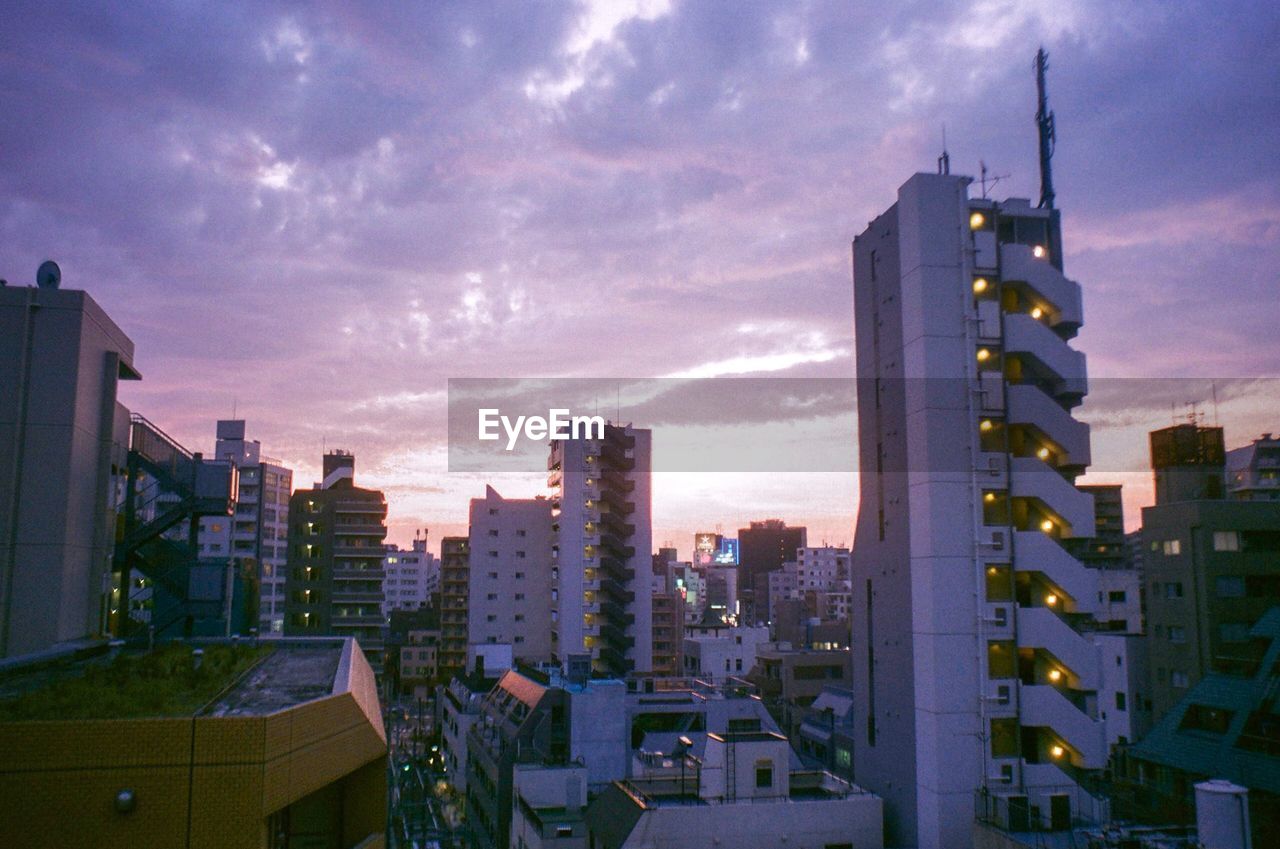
(1226, 540)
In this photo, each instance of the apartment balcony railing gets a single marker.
(1031, 338)
(1020, 268)
(1029, 405)
(1042, 628)
(1031, 477)
(1046, 706)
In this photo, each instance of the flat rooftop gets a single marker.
(120, 682)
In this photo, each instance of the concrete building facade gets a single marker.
(63, 440)
(977, 672)
(259, 529)
(334, 582)
(510, 580)
(412, 576)
(603, 568)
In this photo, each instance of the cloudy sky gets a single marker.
(315, 214)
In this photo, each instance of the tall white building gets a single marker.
(510, 596)
(413, 575)
(822, 567)
(260, 527)
(603, 587)
(979, 682)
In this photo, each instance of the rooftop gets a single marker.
(119, 682)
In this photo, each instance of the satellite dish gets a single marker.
(48, 275)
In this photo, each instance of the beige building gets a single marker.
(510, 582)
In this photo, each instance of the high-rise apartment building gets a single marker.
(259, 529)
(63, 441)
(455, 596)
(603, 567)
(978, 678)
(763, 548)
(412, 576)
(334, 582)
(510, 581)
(1211, 565)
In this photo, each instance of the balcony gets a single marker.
(614, 568)
(616, 591)
(357, 597)
(1042, 628)
(1064, 365)
(1029, 405)
(614, 479)
(1036, 551)
(1048, 707)
(1033, 478)
(614, 545)
(1020, 268)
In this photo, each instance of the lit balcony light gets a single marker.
(983, 355)
(1055, 675)
(980, 285)
(1057, 751)
(977, 220)
(989, 497)
(1043, 453)
(1036, 312)
(1039, 252)
(1046, 525)
(986, 425)
(1051, 600)
(991, 570)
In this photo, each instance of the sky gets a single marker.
(313, 215)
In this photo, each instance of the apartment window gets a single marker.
(1173, 589)
(1226, 540)
(1171, 547)
(493, 511)
(1116, 597)
(491, 597)
(493, 554)
(1178, 679)
(1001, 659)
(999, 583)
(764, 774)
(493, 532)
(519, 596)
(519, 576)
(491, 618)
(522, 532)
(1177, 634)
(519, 617)
(1004, 738)
(519, 554)
(493, 575)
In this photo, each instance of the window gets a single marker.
(522, 533)
(1121, 702)
(1116, 597)
(491, 618)
(1177, 634)
(1178, 679)
(1171, 547)
(1229, 586)
(493, 532)
(1004, 738)
(764, 774)
(999, 583)
(491, 597)
(1173, 589)
(1226, 540)
(493, 554)
(519, 554)
(519, 576)
(519, 596)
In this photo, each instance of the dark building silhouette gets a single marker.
(335, 574)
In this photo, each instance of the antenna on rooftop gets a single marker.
(988, 182)
(1048, 135)
(944, 161)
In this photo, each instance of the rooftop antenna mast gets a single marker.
(944, 161)
(1048, 136)
(988, 182)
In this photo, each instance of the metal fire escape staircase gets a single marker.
(168, 489)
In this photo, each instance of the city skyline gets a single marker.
(315, 219)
